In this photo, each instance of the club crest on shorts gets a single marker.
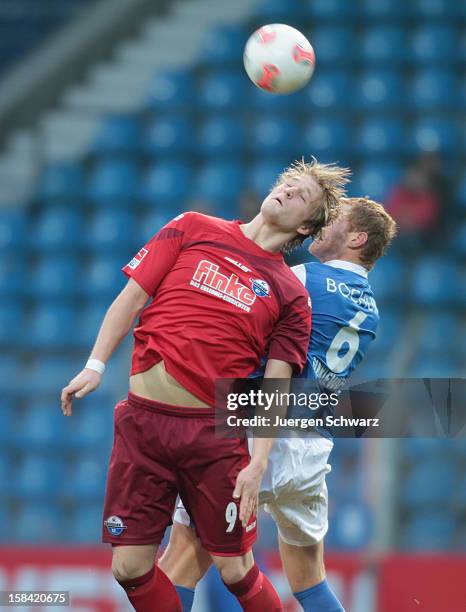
(114, 525)
(260, 287)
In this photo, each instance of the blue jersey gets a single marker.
(344, 322)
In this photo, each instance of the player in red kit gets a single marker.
(221, 297)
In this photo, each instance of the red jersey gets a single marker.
(219, 304)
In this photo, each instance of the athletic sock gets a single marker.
(319, 597)
(186, 597)
(152, 591)
(255, 592)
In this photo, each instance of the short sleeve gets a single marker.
(151, 264)
(291, 335)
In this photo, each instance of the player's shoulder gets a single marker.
(203, 222)
(291, 284)
(309, 269)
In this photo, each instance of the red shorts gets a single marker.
(160, 451)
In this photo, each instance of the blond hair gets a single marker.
(370, 217)
(332, 180)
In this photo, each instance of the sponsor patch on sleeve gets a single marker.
(134, 263)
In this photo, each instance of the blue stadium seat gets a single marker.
(169, 135)
(8, 413)
(433, 44)
(167, 181)
(48, 375)
(434, 366)
(103, 277)
(422, 449)
(275, 135)
(379, 136)
(436, 134)
(384, 10)
(382, 45)
(280, 11)
(12, 272)
(329, 90)
(40, 426)
(327, 139)
(113, 180)
(172, 90)
(352, 526)
(223, 90)
(13, 222)
(223, 46)
(51, 326)
(85, 478)
(57, 228)
(90, 318)
(374, 179)
(433, 10)
(332, 44)
(263, 174)
(92, 427)
(11, 321)
(331, 10)
(62, 181)
(39, 523)
(435, 331)
(388, 279)
(110, 231)
(5, 475)
(265, 102)
(388, 331)
(11, 370)
(221, 135)
(377, 90)
(428, 531)
(433, 89)
(433, 280)
(85, 524)
(38, 476)
(427, 483)
(457, 448)
(53, 276)
(218, 181)
(120, 134)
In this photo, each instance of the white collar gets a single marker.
(347, 265)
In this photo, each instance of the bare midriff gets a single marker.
(157, 384)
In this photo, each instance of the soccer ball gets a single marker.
(279, 59)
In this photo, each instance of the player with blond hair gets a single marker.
(344, 322)
(221, 296)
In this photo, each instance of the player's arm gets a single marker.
(249, 479)
(117, 322)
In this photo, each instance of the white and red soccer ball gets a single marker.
(279, 59)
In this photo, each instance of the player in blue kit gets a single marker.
(344, 322)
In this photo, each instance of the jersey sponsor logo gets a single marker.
(114, 525)
(229, 288)
(260, 287)
(237, 263)
(134, 263)
(250, 527)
